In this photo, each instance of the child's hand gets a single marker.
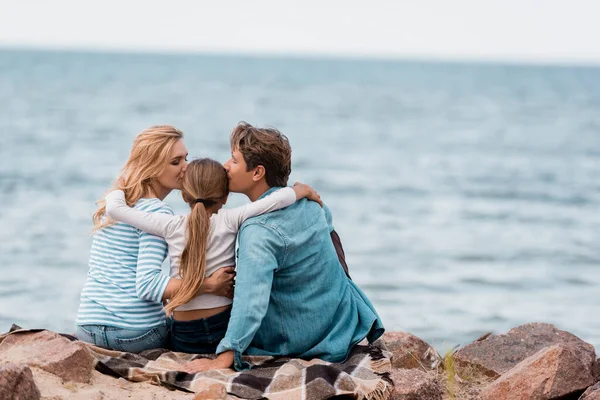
(304, 190)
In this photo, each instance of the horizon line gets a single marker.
(307, 55)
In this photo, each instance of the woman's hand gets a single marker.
(223, 360)
(220, 282)
(303, 190)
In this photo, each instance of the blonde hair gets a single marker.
(205, 183)
(149, 157)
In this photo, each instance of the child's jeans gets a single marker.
(199, 336)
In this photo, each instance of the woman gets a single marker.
(199, 244)
(121, 301)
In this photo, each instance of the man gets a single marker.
(292, 296)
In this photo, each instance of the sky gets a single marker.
(544, 31)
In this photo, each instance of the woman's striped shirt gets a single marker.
(125, 283)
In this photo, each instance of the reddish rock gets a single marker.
(499, 353)
(49, 351)
(16, 383)
(414, 384)
(408, 351)
(549, 374)
(211, 392)
(592, 393)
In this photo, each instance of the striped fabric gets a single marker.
(125, 283)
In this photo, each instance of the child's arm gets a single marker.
(153, 223)
(277, 200)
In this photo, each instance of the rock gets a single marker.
(597, 370)
(49, 351)
(551, 373)
(592, 393)
(414, 384)
(213, 391)
(16, 383)
(408, 351)
(499, 353)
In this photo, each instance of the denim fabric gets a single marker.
(130, 340)
(200, 336)
(292, 296)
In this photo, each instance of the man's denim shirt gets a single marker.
(292, 297)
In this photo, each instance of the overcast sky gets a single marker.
(512, 30)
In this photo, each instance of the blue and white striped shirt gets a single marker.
(125, 283)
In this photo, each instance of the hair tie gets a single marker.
(206, 202)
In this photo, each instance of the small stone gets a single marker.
(92, 394)
(209, 392)
(16, 383)
(124, 383)
(414, 384)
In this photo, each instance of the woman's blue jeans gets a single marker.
(199, 336)
(122, 339)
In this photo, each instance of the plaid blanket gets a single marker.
(364, 375)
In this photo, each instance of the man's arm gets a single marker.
(259, 255)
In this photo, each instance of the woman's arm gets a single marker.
(281, 198)
(154, 223)
(219, 283)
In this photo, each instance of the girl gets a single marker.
(199, 244)
(121, 301)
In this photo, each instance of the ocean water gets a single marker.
(466, 195)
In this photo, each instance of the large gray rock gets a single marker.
(552, 373)
(499, 353)
(414, 384)
(49, 351)
(408, 351)
(16, 383)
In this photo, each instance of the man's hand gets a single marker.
(220, 282)
(224, 360)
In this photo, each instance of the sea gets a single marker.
(467, 195)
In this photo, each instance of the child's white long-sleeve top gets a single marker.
(224, 226)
